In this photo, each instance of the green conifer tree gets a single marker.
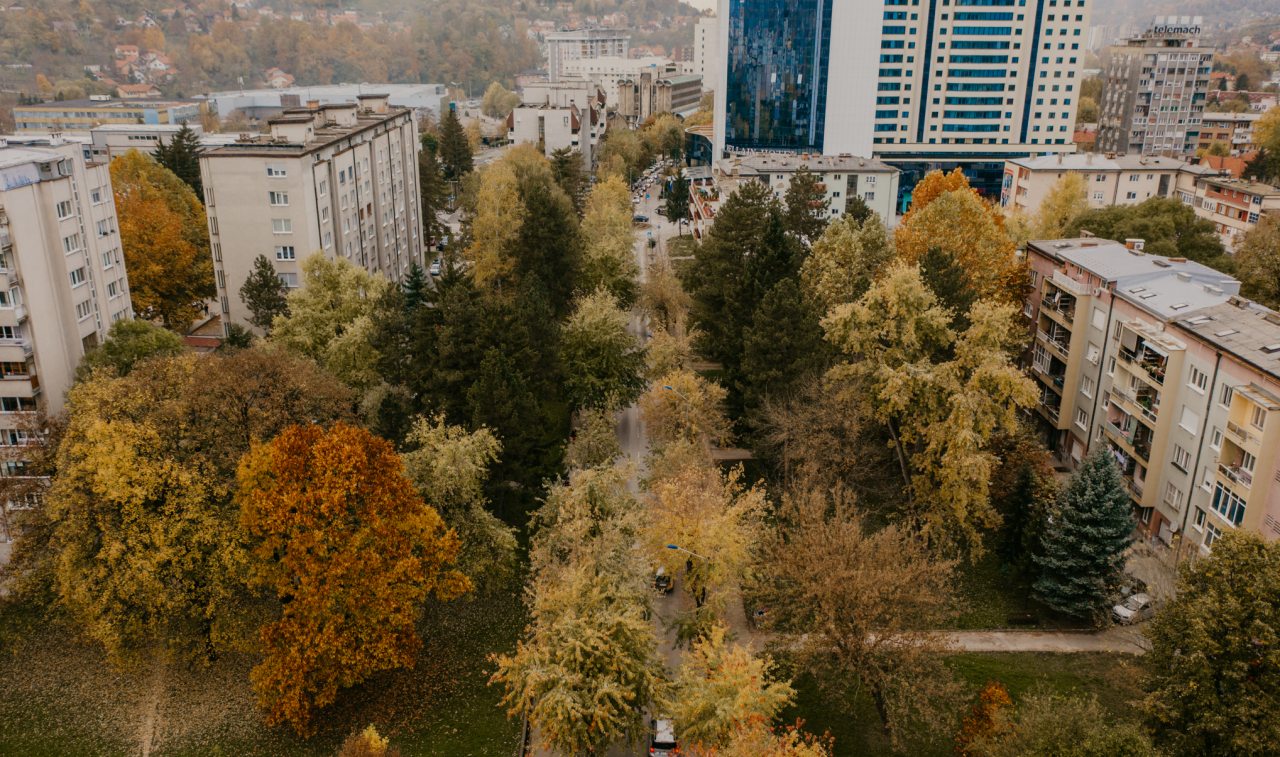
(455, 150)
(1082, 549)
(182, 156)
(264, 294)
(433, 194)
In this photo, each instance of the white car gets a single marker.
(434, 270)
(1135, 609)
(662, 741)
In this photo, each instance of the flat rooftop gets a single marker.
(322, 136)
(1241, 328)
(20, 156)
(1244, 185)
(146, 102)
(754, 163)
(1095, 162)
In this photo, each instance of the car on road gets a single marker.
(1135, 609)
(640, 218)
(662, 581)
(434, 270)
(662, 739)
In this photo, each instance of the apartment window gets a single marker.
(8, 332)
(1198, 522)
(83, 310)
(104, 227)
(1173, 497)
(1111, 366)
(1082, 418)
(324, 187)
(1189, 421)
(71, 244)
(1199, 380)
(1228, 504)
(1181, 458)
(1099, 319)
(281, 226)
(278, 199)
(290, 280)
(108, 259)
(285, 252)
(1086, 386)
(1215, 439)
(1211, 534)
(95, 195)
(869, 196)
(1225, 395)
(64, 209)
(113, 289)
(1258, 417)
(276, 172)
(17, 404)
(1094, 354)
(77, 277)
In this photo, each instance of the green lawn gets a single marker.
(992, 596)
(1114, 679)
(60, 697)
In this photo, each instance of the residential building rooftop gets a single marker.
(765, 162)
(1242, 328)
(1244, 185)
(300, 131)
(1096, 162)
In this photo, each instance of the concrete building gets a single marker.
(1235, 130)
(1233, 205)
(258, 104)
(1163, 362)
(113, 140)
(842, 176)
(1110, 179)
(647, 95)
(339, 180)
(924, 86)
(706, 50)
(63, 272)
(558, 115)
(578, 44)
(83, 115)
(1154, 89)
(607, 72)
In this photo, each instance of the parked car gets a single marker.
(434, 270)
(1135, 609)
(662, 581)
(662, 740)
(640, 218)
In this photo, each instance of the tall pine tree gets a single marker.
(566, 165)
(182, 156)
(782, 345)
(808, 209)
(1082, 551)
(949, 282)
(455, 149)
(677, 208)
(264, 294)
(433, 193)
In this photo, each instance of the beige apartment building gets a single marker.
(1233, 205)
(63, 274)
(558, 115)
(1235, 130)
(841, 177)
(1163, 362)
(1109, 179)
(339, 180)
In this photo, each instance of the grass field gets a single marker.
(992, 596)
(60, 697)
(1114, 679)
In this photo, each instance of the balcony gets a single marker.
(1236, 475)
(1050, 406)
(1146, 364)
(1242, 437)
(1059, 307)
(1057, 341)
(1144, 405)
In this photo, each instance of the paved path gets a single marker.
(1123, 639)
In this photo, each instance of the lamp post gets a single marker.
(701, 597)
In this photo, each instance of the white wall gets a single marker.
(853, 62)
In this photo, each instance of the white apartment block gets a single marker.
(1109, 179)
(578, 44)
(841, 176)
(1154, 89)
(606, 72)
(339, 180)
(558, 115)
(1163, 362)
(706, 50)
(63, 272)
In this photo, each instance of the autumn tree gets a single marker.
(450, 466)
(1167, 226)
(1067, 199)
(165, 241)
(807, 206)
(367, 743)
(941, 396)
(722, 688)
(844, 261)
(684, 405)
(455, 148)
(985, 719)
(1082, 557)
(339, 536)
(127, 344)
(331, 317)
(603, 362)
(856, 609)
(1214, 668)
(498, 101)
(1258, 256)
(608, 241)
(1061, 725)
(182, 157)
(264, 294)
(595, 440)
(663, 298)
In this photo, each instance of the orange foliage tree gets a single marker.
(351, 551)
(986, 719)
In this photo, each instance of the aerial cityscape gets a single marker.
(722, 378)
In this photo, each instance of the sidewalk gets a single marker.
(1121, 639)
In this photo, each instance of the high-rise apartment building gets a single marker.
(920, 83)
(577, 44)
(63, 274)
(1153, 92)
(1160, 360)
(339, 180)
(706, 51)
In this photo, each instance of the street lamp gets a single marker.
(701, 597)
(678, 548)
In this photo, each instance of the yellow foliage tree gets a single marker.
(165, 241)
(341, 538)
(972, 232)
(1066, 200)
(683, 405)
(609, 241)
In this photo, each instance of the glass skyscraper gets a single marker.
(777, 62)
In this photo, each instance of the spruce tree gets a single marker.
(808, 208)
(782, 345)
(414, 289)
(566, 166)
(433, 194)
(182, 156)
(950, 283)
(1082, 551)
(264, 294)
(678, 199)
(857, 208)
(455, 149)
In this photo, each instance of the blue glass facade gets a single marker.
(777, 74)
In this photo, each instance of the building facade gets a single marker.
(923, 85)
(1160, 360)
(1234, 206)
(841, 176)
(1233, 130)
(558, 115)
(1109, 179)
(83, 115)
(1154, 89)
(63, 270)
(578, 44)
(339, 180)
(607, 72)
(706, 50)
(255, 104)
(648, 95)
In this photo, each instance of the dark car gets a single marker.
(662, 582)
(640, 219)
